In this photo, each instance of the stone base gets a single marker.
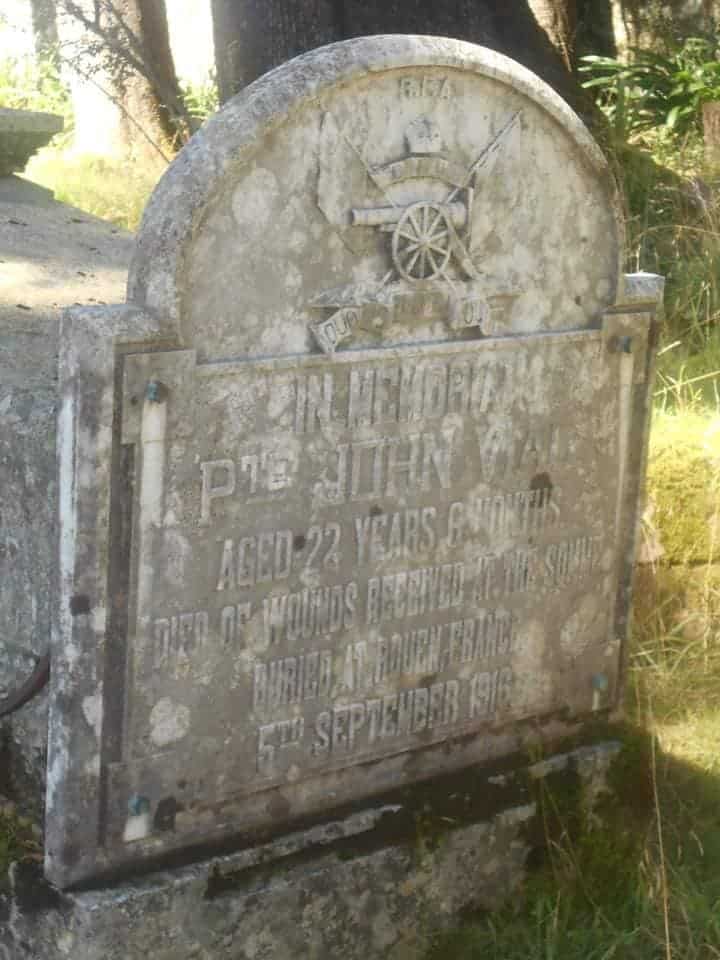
(374, 883)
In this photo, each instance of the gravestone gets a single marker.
(348, 488)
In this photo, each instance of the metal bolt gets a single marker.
(624, 344)
(138, 805)
(152, 391)
(600, 682)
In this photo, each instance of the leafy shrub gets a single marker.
(25, 85)
(673, 228)
(655, 89)
(201, 99)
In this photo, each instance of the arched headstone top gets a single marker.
(310, 193)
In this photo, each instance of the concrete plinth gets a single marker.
(373, 883)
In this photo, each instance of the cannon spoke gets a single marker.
(442, 232)
(431, 228)
(421, 241)
(413, 221)
(423, 259)
(412, 261)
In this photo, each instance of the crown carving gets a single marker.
(423, 136)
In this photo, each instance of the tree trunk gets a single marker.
(152, 98)
(595, 28)
(711, 129)
(252, 36)
(122, 48)
(45, 30)
(558, 18)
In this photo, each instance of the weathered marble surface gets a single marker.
(348, 223)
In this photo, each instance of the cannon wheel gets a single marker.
(421, 244)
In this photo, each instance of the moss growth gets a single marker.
(17, 838)
(684, 485)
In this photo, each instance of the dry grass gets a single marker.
(115, 190)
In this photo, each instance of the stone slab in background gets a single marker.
(23, 133)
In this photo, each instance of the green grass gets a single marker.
(25, 85)
(688, 373)
(673, 228)
(684, 484)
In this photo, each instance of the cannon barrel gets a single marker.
(386, 216)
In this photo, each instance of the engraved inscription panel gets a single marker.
(334, 561)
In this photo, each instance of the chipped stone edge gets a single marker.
(90, 339)
(231, 135)
(643, 288)
(30, 121)
(22, 134)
